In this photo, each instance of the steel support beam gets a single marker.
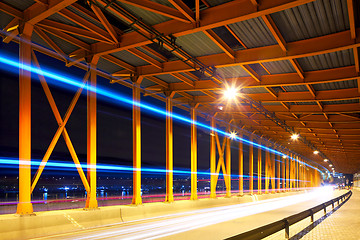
(227, 175)
(212, 159)
(251, 167)
(136, 122)
(283, 176)
(91, 201)
(259, 169)
(24, 206)
(278, 175)
(193, 155)
(241, 167)
(169, 152)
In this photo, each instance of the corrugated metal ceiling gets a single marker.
(232, 72)
(19, 4)
(107, 66)
(335, 85)
(327, 61)
(147, 16)
(130, 58)
(279, 67)
(313, 19)
(253, 32)
(198, 44)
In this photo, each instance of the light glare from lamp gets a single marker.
(316, 152)
(230, 93)
(232, 135)
(295, 136)
(325, 160)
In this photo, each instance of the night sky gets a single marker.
(114, 131)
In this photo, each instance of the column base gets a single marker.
(194, 197)
(136, 201)
(91, 204)
(25, 209)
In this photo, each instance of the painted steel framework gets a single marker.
(336, 127)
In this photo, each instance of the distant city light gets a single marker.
(295, 136)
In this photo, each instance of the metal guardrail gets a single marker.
(269, 229)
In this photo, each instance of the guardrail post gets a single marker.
(338, 202)
(311, 215)
(332, 204)
(324, 209)
(287, 229)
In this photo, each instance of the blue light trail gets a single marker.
(110, 168)
(124, 99)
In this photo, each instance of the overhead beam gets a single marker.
(275, 31)
(328, 95)
(223, 14)
(184, 9)
(299, 49)
(38, 12)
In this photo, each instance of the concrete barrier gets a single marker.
(62, 221)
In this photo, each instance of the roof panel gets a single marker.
(329, 60)
(107, 66)
(19, 4)
(335, 85)
(82, 15)
(232, 71)
(168, 78)
(5, 19)
(279, 67)
(198, 44)
(65, 46)
(148, 53)
(217, 2)
(341, 101)
(147, 16)
(130, 58)
(254, 90)
(254, 33)
(196, 93)
(313, 19)
(296, 88)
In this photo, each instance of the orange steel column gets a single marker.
(272, 159)
(24, 206)
(251, 166)
(241, 167)
(169, 152)
(297, 173)
(259, 168)
(212, 159)
(283, 174)
(136, 122)
(91, 202)
(278, 174)
(193, 155)
(228, 167)
(288, 160)
(267, 180)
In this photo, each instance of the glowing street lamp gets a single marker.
(325, 160)
(316, 152)
(232, 135)
(295, 136)
(230, 93)
(284, 156)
